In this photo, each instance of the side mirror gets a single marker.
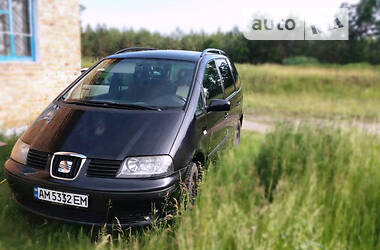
(219, 105)
(83, 70)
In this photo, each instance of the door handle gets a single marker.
(226, 115)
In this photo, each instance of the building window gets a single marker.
(16, 30)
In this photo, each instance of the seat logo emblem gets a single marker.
(65, 166)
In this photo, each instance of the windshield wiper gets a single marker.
(90, 103)
(115, 104)
(132, 106)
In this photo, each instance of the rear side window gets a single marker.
(228, 80)
(199, 110)
(235, 74)
(211, 83)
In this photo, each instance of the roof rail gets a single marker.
(212, 50)
(133, 49)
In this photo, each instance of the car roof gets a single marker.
(183, 55)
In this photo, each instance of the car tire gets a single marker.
(237, 134)
(192, 181)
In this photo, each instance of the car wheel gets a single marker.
(192, 180)
(237, 134)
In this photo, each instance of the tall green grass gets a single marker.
(5, 151)
(294, 188)
(351, 91)
(324, 184)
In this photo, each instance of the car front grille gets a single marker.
(68, 171)
(37, 159)
(97, 167)
(103, 168)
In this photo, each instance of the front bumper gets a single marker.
(128, 202)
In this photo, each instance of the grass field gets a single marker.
(326, 91)
(305, 188)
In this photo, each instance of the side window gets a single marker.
(228, 80)
(212, 83)
(199, 110)
(236, 75)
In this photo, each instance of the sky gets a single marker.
(165, 16)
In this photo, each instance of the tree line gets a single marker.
(363, 44)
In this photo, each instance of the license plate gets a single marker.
(71, 199)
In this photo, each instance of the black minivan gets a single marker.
(118, 143)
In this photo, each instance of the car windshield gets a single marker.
(135, 83)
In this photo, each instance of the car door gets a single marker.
(212, 88)
(231, 95)
(237, 106)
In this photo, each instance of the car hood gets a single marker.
(104, 133)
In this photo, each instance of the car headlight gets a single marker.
(147, 166)
(20, 151)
